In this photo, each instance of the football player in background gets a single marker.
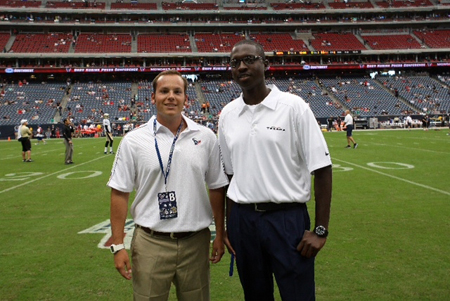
(108, 134)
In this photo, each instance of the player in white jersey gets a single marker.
(108, 134)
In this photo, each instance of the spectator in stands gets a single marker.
(25, 139)
(348, 126)
(108, 134)
(269, 186)
(67, 134)
(171, 242)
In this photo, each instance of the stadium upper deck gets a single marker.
(135, 34)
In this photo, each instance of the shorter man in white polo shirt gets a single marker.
(168, 161)
(348, 125)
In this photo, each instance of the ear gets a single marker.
(153, 98)
(186, 101)
(266, 64)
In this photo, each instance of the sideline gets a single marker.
(52, 174)
(395, 177)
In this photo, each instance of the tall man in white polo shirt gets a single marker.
(168, 161)
(271, 146)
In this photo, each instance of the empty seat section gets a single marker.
(75, 5)
(223, 42)
(103, 43)
(133, 6)
(279, 42)
(42, 43)
(396, 41)
(336, 41)
(434, 38)
(164, 43)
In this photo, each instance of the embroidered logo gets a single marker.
(275, 128)
(196, 142)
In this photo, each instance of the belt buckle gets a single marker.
(258, 210)
(172, 235)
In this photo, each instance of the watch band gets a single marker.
(116, 248)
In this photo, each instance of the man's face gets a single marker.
(247, 75)
(170, 96)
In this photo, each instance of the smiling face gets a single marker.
(169, 96)
(249, 76)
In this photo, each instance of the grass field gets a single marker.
(389, 229)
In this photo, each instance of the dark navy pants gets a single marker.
(265, 245)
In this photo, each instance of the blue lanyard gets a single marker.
(166, 175)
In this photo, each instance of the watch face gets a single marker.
(321, 231)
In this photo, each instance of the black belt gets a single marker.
(263, 207)
(172, 235)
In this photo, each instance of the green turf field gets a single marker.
(389, 229)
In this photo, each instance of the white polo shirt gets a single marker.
(271, 149)
(348, 119)
(195, 164)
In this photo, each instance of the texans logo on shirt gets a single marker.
(196, 142)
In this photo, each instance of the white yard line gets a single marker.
(395, 177)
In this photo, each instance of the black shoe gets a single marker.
(67, 163)
(356, 145)
(111, 153)
(105, 153)
(348, 146)
(29, 160)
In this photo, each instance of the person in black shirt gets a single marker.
(67, 134)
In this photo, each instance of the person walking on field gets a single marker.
(271, 146)
(174, 164)
(348, 125)
(67, 135)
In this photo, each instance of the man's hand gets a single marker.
(228, 244)
(122, 263)
(311, 244)
(218, 249)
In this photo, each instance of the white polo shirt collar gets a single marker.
(269, 102)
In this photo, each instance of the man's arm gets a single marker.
(217, 199)
(119, 211)
(311, 244)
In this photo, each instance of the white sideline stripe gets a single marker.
(49, 175)
(394, 177)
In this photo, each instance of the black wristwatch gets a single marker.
(321, 231)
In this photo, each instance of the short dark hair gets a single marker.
(259, 47)
(169, 72)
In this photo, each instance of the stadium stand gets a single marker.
(36, 102)
(163, 43)
(41, 43)
(103, 43)
(306, 43)
(336, 41)
(279, 42)
(207, 42)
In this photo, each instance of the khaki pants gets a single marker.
(69, 151)
(159, 261)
